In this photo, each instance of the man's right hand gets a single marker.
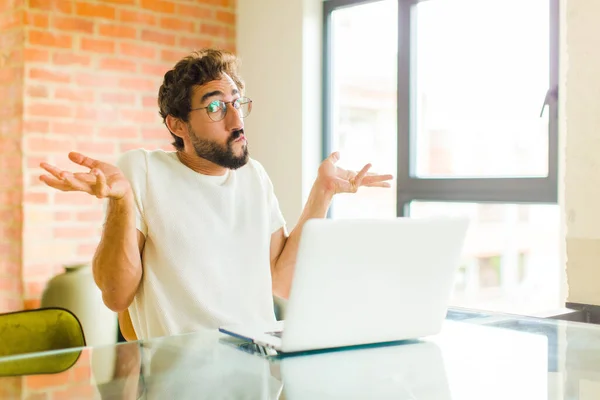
(103, 180)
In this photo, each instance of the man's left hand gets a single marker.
(334, 179)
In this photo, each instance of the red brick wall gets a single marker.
(91, 75)
(11, 182)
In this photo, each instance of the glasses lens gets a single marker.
(216, 110)
(244, 106)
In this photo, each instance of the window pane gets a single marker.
(482, 72)
(511, 256)
(363, 95)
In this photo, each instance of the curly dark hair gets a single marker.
(198, 68)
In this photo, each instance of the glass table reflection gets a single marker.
(477, 356)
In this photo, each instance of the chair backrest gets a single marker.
(35, 331)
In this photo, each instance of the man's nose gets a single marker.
(233, 118)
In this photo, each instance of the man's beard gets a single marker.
(219, 154)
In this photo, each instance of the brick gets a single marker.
(36, 198)
(139, 84)
(45, 75)
(73, 232)
(94, 216)
(178, 24)
(161, 6)
(155, 133)
(150, 101)
(36, 55)
(85, 391)
(71, 59)
(96, 80)
(194, 43)
(62, 216)
(226, 17)
(217, 30)
(34, 289)
(140, 116)
(96, 147)
(36, 20)
(62, 6)
(10, 162)
(97, 45)
(71, 128)
(172, 56)
(166, 39)
(73, 24)
(10, 285)
(37, 91)
(118, 64)
(117, 98)
(11, 20)
(137, 17)
(38, 382)
(35, 126)
(118, 31)
(48, 39)
(49, 110)
(90, 113)
(120, 132)
(129, 2)
(32, 304)
(73, 198)
(81, 372)
(44, 145)
(137, 50)
(85, 9)
(194, 11)
(34, 163)
(65, 93)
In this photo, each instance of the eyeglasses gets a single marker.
(217, 110)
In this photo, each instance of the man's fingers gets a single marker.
(80, 159)
(75, 183)
(377, 184)
(55, 183)
(52, 169)
(85, 177)
(101, 186)
(376, 178)
(361, 175)
(334, 157)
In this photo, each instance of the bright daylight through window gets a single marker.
(477, 73)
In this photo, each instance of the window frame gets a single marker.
(520, 190)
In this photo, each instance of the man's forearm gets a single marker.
(117, 264)
(283, 271)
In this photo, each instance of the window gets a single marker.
(458, 97)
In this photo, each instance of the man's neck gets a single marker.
(200, 165)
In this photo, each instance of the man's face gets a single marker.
(220, 142)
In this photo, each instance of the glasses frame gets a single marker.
(241, 101)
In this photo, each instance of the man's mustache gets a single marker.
(235, 135)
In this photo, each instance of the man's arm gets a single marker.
(285, 249)
(117, 263)
(330, 181)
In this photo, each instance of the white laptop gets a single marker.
(366, 281)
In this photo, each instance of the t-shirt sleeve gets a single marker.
(133, 164)
(276, 220)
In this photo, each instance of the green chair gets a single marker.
(25, 335)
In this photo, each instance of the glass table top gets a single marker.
(477, 355)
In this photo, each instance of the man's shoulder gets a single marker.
(143, 157)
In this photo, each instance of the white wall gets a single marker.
(581, 100)
(279, 43)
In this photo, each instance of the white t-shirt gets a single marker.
(206, 258)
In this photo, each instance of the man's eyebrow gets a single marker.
(214, 93)
(208, 95)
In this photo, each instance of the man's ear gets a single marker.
(177, 126)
